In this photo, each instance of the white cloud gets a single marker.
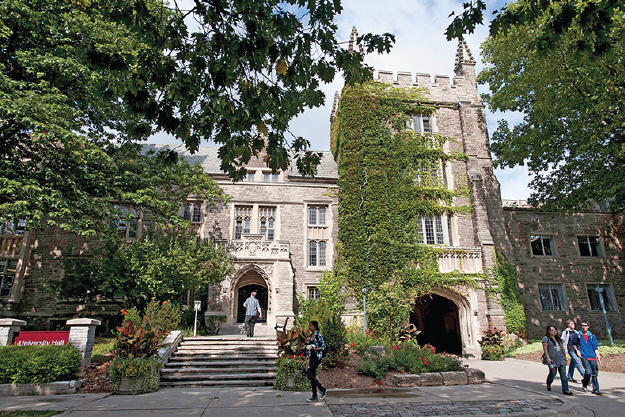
(419, 27)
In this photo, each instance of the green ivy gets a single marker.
(380, 202)
(504, 286)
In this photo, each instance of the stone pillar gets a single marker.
(82, 336)
(8, 327)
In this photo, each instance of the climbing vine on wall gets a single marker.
(504, 285)
(389, 177)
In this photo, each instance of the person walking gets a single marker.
(252, 313)
(555, 359)
(588, 349)
(569, 338)
(315, 346)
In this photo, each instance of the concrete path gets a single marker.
(513, 388)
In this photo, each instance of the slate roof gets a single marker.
(207, 157)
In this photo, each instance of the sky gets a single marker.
(419, 29)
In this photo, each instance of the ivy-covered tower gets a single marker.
(419, 206)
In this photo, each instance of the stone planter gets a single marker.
(129, 386)
(148, 382)
(432, 379)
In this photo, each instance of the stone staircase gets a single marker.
(229, 361)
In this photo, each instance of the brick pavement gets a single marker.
(454, 408)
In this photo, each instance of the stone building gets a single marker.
(282, 229)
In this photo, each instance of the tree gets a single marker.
(157, 265)
(232, 71)
(571, 137)
(552, 20)
(66, 125)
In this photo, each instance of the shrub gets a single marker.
(38, 364)
(335, 335)
(165, 315)
(375, 366)
(135, 369)
(495, 344)
(359, 342)
(291, 375)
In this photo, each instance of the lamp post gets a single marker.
(605, 315)
(196, 306)
(364, 310)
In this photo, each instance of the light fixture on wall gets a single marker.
(277, 290)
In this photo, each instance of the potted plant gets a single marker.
(136, 369)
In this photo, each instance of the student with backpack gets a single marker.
(588, 348)
(569, 338)
(316, 347)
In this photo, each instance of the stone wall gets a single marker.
(566, 268)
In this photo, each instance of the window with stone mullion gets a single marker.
(8, 270)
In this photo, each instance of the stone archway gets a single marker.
(443, 319)
(250, 278)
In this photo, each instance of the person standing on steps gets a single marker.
(588, 348)
(569, 338)
(554, 357)
(252, 313)
(315, 345)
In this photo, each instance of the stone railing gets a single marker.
(468, 260)
(255, 246)
(10, 245)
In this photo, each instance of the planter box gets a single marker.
(51, 388)
(129, 386)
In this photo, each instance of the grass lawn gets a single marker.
(102, 346)
(28, 413)
(605, 348)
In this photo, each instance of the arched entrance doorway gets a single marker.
(438, 320)
(250, 281)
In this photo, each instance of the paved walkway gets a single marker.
(513, 388)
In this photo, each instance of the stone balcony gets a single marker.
(467, 260)
(10, 245)
(253, 246)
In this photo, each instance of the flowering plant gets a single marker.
(291, 375)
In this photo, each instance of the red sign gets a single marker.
(41, 338)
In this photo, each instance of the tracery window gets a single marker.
(242, 220)
(267, 221)
(12, 227)
(127, 221)
(192, 212)
(420, 123)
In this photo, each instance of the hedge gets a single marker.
(38, 364)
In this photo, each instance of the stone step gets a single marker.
(214, 371)
(221, 356)
(254, 339)
(239, 352)
(219, 377)
(217, 363)
(231, 383)
(228, 345)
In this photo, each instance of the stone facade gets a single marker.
(268, 228)
(563, 269)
